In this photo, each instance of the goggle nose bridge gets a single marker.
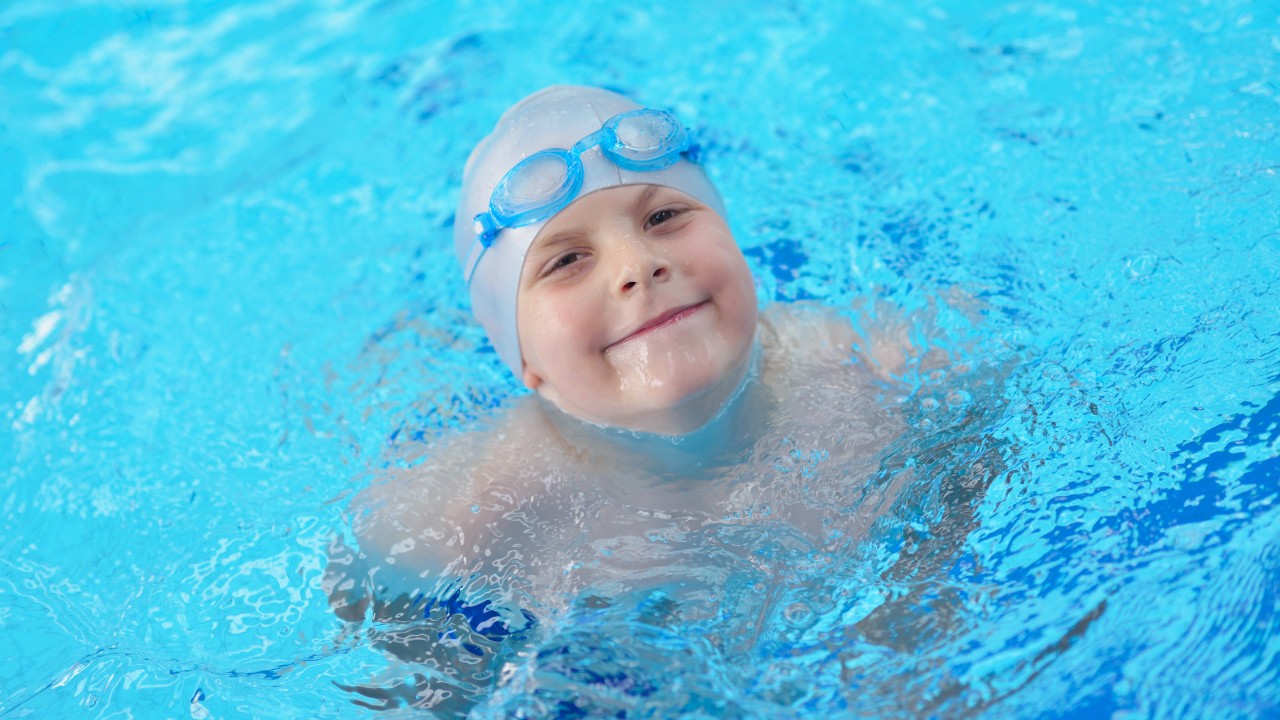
(590, 141)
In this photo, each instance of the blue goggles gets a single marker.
(546, 182)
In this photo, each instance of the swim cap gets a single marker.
(556, 117)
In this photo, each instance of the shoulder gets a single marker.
(807, 332)
(434, 512)
(434, 516)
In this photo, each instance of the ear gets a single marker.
(531, 379)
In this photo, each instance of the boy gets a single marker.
(600, 264)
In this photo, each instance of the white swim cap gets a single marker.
(557, 117)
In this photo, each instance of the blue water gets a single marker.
(228, 298)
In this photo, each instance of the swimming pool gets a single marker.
(228, 294)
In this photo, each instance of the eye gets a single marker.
(562, 262)
(662, 216)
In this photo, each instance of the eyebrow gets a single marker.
(576, 233)
(644, 197)
(563, 237)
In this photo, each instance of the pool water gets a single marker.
(228, 300)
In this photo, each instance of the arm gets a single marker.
(398, 578)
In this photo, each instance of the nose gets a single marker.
(639, 266)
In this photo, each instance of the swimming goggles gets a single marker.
(546, 182)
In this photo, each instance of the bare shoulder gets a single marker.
(436, 516)
(886, 341)
(807, 335)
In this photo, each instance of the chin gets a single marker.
(692, 404)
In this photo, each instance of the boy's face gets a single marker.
(636, 309)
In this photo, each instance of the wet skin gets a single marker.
(636, 310)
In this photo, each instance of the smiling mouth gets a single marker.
(666, 319)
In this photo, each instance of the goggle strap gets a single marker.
(473, 259)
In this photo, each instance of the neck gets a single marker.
(695, 453)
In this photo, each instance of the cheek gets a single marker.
(740, 291)
(744, 315)
(734, 277)
(552, 324)
(745, 280)
(534, 324)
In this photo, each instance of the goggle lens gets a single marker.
(538, 180)
(646, 135)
